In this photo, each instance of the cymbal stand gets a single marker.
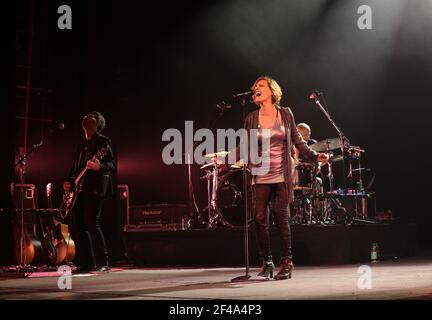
(193, 207)
(306, 208)
(215, 217)
(208, 177)
(334, 202)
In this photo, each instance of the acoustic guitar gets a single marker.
(28, 248)
(62, 240)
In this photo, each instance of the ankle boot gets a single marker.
(105, 267)
(286, 267)
(267, 269)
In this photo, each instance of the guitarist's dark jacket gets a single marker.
(95, 182)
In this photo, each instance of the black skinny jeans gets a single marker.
(87, 233)
(276, 194)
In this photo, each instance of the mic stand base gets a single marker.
(363, 221)
(243, 278)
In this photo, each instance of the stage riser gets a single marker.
(316, 245)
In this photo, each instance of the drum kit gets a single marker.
(225, 203)
(312, 204)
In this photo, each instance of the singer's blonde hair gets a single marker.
(274, 87)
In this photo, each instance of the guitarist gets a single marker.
(92, 253)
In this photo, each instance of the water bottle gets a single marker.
(375, 252)
(184, 223)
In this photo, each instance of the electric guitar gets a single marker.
(69, 198)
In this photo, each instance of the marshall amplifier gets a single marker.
(157, 214)
(24, 196)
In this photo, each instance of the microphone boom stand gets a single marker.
(246, 276)
(344, 140)
(344, 145)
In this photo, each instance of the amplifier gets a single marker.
(157, 213)
(123, 200)
(24, 195)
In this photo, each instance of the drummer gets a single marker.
(305, 131)
(317, 185)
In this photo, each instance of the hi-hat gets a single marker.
(326, 145)
(217, 154)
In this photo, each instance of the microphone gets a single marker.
(315, 95)
(247, 93)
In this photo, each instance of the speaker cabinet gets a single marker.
(123, 203)
(24, 196)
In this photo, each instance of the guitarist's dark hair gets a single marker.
(100, 119)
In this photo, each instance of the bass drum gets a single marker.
(230, 197)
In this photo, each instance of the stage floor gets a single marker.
(407, 278)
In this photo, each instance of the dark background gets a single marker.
(147, 69)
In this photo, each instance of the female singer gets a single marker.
(275, 185)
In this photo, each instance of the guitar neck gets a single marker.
(77, 179)
(49, 192)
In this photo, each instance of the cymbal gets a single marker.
(326, 145)
(211, 164)
(336, 158)
(217, 154)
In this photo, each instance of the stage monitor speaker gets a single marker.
(123, 198)
(24, 196)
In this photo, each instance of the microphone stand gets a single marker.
(344, 140)
(21, 163)
(246, 276)
(344, 146)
